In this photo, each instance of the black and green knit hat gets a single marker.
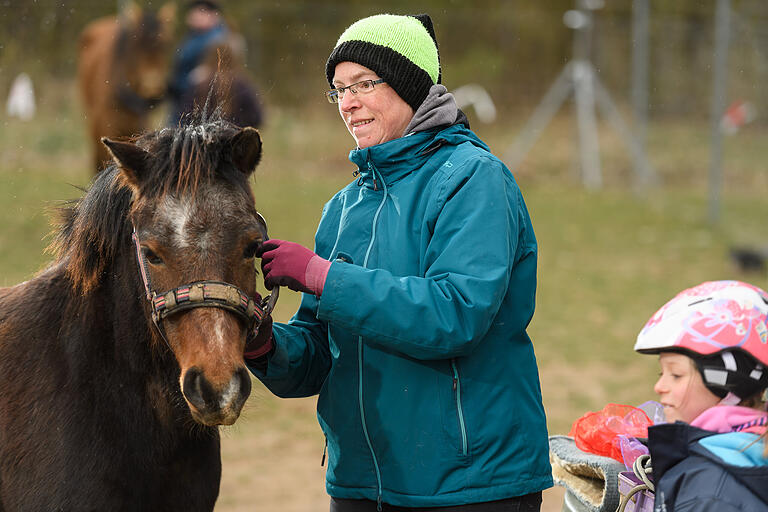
(400, 49)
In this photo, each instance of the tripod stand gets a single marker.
(579, 78)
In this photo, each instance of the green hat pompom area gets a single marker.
(400, 49)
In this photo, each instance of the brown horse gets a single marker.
(122, 72)
(110, 401)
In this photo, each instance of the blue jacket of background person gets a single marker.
(189, 54)
(428, 383)
(702, 471)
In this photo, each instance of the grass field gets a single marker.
(608, 259)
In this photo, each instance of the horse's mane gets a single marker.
(144, 33)
(92, 229)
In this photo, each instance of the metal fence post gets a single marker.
(719, 90)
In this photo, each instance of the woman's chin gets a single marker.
(363, 142)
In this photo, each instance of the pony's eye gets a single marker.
(251, 250)
(151, 257)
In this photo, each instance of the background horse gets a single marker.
(99, 408)
(122, 72)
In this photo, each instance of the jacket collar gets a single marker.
(670, 443)
(397, 158)
(394, 159)
(729, 418)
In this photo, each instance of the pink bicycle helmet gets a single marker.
(721, 325)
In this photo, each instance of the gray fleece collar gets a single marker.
(438, 109)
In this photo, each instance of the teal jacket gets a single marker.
(428, 384)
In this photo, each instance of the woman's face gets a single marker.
(374, 117)
(681, 389)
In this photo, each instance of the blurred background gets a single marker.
(635, 128)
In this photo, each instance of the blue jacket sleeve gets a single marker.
(301, 360)
(478, 216)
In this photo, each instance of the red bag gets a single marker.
(598, 432)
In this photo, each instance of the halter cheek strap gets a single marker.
(212, 294)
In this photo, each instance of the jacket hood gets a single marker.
(672, 442)
(397, 158)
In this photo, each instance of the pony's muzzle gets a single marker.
(212, 406)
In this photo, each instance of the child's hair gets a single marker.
(756, 401)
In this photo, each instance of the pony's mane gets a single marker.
(92, 229)
(144, 33)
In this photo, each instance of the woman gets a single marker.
(417, 298)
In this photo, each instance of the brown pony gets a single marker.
(122, 70)
(110, 401)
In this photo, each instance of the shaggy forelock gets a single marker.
(93, 228)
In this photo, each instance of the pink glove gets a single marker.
(293, 265)
(260, 342)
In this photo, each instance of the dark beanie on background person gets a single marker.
(210, 5)
(400, 49)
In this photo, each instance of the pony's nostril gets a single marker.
(200, 393)
(197, 389)
(245, 383)
(237, 391)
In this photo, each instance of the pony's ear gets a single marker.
(131, 13)
(167, 17)
(246, 149)
(131, 159)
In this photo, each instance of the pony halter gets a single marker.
(200, 294)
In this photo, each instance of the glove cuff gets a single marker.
(315, 274)
(260, 351)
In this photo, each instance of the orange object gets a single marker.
(598, 432)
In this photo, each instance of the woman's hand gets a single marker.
(293, 265)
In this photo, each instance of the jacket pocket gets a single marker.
(454, 424)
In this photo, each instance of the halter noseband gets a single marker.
(211, 294)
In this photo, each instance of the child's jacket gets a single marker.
(702, 471)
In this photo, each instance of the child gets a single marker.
(712, 342)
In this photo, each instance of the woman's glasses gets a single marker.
(363, 87)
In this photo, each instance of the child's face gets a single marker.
(681, 389)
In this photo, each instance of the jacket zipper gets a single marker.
(360, 179)
(360, 344)
(457, 391)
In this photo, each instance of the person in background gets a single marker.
(712, 342)
(205, 28)
(417, 296)
(221, 82)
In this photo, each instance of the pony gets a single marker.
(119, 361)
(122, 72)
